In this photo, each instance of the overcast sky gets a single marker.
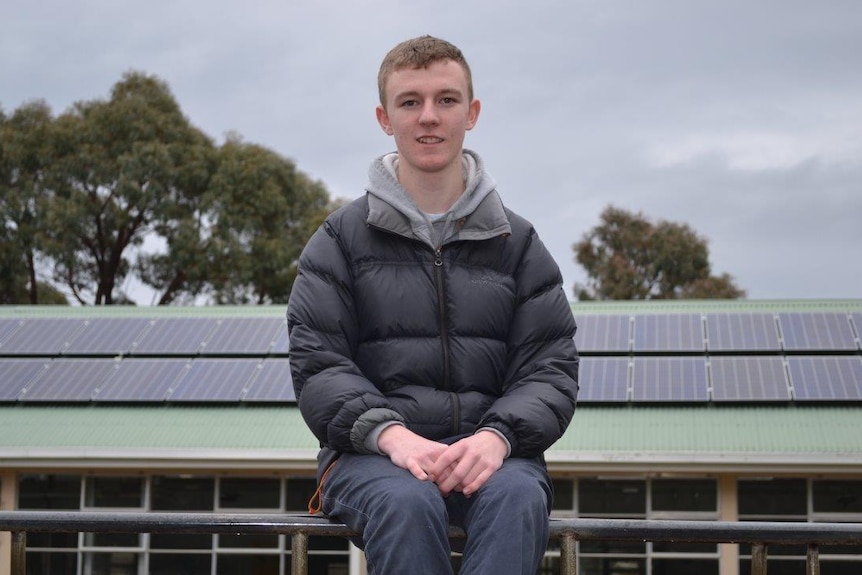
(741, 118)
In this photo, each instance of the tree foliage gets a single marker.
(126, 188)
(243, 240)
(119, 166)
(25, 138)
(628, 257)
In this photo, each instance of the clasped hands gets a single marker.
(463, 466)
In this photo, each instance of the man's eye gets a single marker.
(408, 103)
(448, 100)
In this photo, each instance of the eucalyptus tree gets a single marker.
(629, 257)
(126, 188)
(259, 211)
(120, 168)
(25, 157)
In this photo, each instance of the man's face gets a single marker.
(428, 111)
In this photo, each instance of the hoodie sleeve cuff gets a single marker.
(372, 438)
(501, 436)
(367, 424)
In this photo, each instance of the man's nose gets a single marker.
(429, 114)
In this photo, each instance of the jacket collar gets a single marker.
(488, 220)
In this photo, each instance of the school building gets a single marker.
(709, 410)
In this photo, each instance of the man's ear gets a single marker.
(383, 120)
(473, 113)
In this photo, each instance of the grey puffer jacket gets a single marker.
(446, 328)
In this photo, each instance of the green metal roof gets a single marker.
(154, 427)
(750, 429)
(609, 439)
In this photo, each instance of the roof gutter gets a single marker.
(305, 461)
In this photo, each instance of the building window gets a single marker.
(683, 566)
(564, 495)
(115, 492)
(838, 500)
(182, 493)
(685, 495)
(837, 496)
(772, 499)
(249, 493)
(677, 498)
(171, 564)
(49, 492)
(299, 492)
(612, 497)
(50, 552)
(798, 499)
(244, 564)
(48, 563)
(113, 553)
(117, 563)
(684, 499)
(168, 554)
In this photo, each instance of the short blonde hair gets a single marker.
(420, 53)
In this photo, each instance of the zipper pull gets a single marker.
(438, 257)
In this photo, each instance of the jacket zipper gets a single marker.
(441, 301)
(444, 340)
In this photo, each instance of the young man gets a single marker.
(431, 344)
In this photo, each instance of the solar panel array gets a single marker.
(720, 357)
(735, 332)
(810, 356)
(139, 359)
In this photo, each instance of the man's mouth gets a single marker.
(429, 140)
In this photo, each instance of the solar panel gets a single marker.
(857, 322)
(817, 331)
(137, 379)
(15, 374)
(215, 380)
(244, 335)
(742, 332)
(107, 335)
(182, 335)
(603, 333)
(826, 378)
(603, 379)
(41, 336)
(69, 380)
(749, 379)
(273, 382)
(281, 344)
(669, 379)
(7, 326)
(668, 332)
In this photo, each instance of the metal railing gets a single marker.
(300, 527)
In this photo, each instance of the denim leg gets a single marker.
(507, 520)
(403, 521)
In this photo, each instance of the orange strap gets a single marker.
(315, 504)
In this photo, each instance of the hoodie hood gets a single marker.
(477, 214)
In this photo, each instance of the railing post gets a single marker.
(19, 553)
(568, 554)
(812, 562)
(299, 552)
(758, 559)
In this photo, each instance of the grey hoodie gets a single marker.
(391, 208)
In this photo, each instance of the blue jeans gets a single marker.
(404, 522)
